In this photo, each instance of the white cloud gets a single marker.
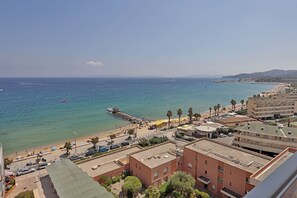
(94, 64)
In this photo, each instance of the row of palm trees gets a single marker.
(179, 113)
(217, 107)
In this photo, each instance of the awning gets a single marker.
(204, 179)
(230, 193)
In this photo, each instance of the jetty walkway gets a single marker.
(125, 116)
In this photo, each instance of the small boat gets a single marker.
(63, 101)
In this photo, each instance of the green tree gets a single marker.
(131, 186)
(169, 115)
(25, 194)
(68, 147)
(210, 109)
(182, 183)
(201, 194)
(233, 103)
(152, 192)
(179, 113)
(144, 142)
(7, 162)
(242, 103)
(190, 114)
(165, 189)
(94, 141)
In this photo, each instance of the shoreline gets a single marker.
(104, 135)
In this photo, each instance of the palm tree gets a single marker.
(94, 141)
(210, 111)
(179, 113)
(38, 159)
(233, 103)
(68, 147)
(190, 111)
(169, 115)
(242, 102)
(219, 106)
(215, 108)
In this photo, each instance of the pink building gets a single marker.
(221, 169)
(154, 165)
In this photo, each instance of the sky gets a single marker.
(167, 38)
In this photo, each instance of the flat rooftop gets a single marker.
(156, 156)
(270, 130)
(265, 171)
(106, 163)
(233, 156)
(236, 119)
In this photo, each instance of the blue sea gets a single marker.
(39, 111)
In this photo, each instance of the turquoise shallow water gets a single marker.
(32, 112)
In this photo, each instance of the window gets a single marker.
(220, 168)
(190, 165)
(247, 180)
(165, 170)
(139, 167)
(135, 165)
(205, 172)
(156, 174)
(220, 180)
(230, 184)
(205, 162)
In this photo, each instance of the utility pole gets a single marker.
(75, 134)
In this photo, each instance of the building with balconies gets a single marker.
(272, 106)
(265, 138)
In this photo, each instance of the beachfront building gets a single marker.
(2, 175)
(237, 120)
(205, 131)
(272, 106)
(66, 180)
(265, 138)
(109, 164)
(155, 165)
(279, 176)
(222, 169)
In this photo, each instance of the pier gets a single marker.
(125, 116)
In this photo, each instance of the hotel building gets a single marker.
(155, 165)
(265, 138)
(223, 170)
(272, 106)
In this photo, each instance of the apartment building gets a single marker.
(155, 165)
(223, 170)
(265, 138)
(276, 105)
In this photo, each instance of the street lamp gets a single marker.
(75, 134)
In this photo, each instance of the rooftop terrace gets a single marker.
(269, 130)
(155, 156)
(234, 156)
(106, 163)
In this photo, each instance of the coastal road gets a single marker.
(55, 155)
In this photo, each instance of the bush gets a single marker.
(116, 179)
(200, 194)
(152, 192)
(131, 186)
(105, 181)
(144, 142)
(26, 194)
(165, 189)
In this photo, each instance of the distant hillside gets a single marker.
(272, 75)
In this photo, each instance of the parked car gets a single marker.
(25, 170)
(125, 143)
(75, 157)
(90, 152)
(222, 135)
(230, 134)
(114, 146)
(103, 149)
(42, 165)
